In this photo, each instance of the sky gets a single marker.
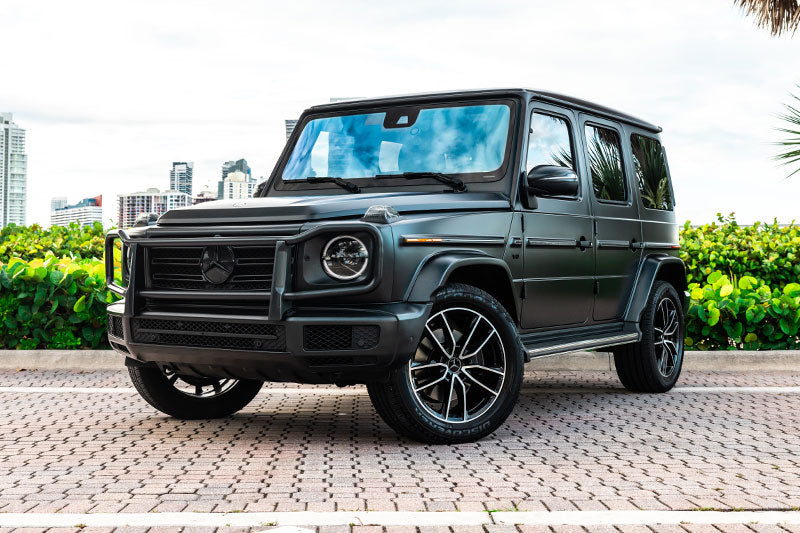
(112, 93)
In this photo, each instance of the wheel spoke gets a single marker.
(469, 337)
(488, 337)
(449, 399)
(217, 387)
(198, 390)
(463, 396)
(173, 378)
(452, 337)
(439, 344)
(423, 366)
(434, 382)
(470, 376)
(488, 369)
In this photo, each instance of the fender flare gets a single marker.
(435, 269)
(648, 273)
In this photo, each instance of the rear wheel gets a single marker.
(189, 397)
(464, 378)
(654, 363)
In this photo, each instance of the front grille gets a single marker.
(115, 326)
(180, 268)
(318, 338)
(224, 335)
(340, 360)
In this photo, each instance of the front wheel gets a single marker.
(465, 376)
(654, 363)
(189, 397)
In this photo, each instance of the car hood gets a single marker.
(304, 208)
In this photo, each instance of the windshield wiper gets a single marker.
(344, 184)
(452, 181)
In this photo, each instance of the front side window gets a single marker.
(605, 163)
(449, 139)
(549, 142)
(651, 172)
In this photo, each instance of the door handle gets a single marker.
(583, 243)
(635, 245)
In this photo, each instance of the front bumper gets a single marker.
(308, 346)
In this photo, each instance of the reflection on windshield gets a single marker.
(449, 140)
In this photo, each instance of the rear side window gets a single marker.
(549, 142)
(651, 172)
(605, 163)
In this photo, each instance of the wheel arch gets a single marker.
(654, 268)
(482, 271)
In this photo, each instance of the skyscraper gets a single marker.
(152, 200)
(237, 186)
(13, 172)
(229, 167)
(180, 177)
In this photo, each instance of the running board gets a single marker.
(556, 347)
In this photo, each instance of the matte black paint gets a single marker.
(578, 270)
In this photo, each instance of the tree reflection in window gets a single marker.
(651, 172)
(605, 163)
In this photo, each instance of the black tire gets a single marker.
(154, 386)
(641, 365)
(403, 409)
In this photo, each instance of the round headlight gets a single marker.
(345, 257)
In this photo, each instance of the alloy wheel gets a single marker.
(198, 387)
(667, 338)
(459, 367)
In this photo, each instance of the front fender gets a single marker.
(436, 268)
(648, 274)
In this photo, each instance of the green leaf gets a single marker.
(80, 305)
(713, 316)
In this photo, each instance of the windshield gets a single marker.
(447, 139)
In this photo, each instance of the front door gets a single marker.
(558, 242)
(618, 231)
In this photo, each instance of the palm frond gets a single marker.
(791, 143)
(606, 167)
(779, 16)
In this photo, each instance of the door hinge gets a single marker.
(596, 287)
(522, 290)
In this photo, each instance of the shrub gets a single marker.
(53, 303)
(768, 252)
(31, 242)
(744, 313)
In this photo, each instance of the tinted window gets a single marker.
(549, 142)
(605, 163)
(651, 172)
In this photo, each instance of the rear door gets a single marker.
(618, 231)
(558, 254)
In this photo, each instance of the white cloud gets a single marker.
(111, 95)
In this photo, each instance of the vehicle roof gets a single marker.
(551, 97)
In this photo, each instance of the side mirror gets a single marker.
(552, 180)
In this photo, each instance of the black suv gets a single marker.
(427, 246)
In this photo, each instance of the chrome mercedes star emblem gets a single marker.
(217, 264)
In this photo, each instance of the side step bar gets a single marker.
(557, 347)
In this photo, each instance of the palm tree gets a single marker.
(791, 144)
(778, 15)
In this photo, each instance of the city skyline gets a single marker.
(718, 108)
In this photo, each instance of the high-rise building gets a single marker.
(232, 166)
(134, 204)
(86, 212)
(290, 125)
(237, 186)
(204, 196)
(13, 172)
(180, 177)
(57, 202)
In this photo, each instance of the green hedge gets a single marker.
(768, 252)
(33, 242)
(53, 303)
(743, 281)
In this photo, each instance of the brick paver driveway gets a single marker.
(576, 441)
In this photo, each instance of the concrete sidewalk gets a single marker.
(721, 361)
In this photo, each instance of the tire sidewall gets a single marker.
(663, 290)
(497, 413)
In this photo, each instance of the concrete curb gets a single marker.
(721, 361)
